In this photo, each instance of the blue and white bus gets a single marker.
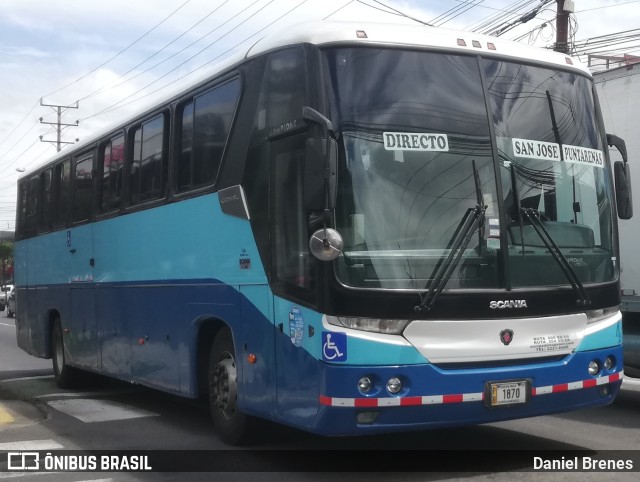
(349, 229)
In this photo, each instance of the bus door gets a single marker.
(83, 339)
(293, 283)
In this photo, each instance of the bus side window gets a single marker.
(33, 205)
(206, 123)
(112, 159)
(47, 200)
(148, 161)
(62, 194)
(283, 92)
(83, 189)
(21, 213)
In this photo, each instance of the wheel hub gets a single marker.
(224, 386)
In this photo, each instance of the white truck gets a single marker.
(619, 94)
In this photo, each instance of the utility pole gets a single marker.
(564, 8)
(59, 124)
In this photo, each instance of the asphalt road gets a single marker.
(106, 415)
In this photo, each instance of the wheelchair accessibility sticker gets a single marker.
(334, 346)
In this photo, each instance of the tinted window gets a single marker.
(186, 150)
(62, 186)
(294, 270)
(83, 189)
(33, 200)
(148, 167)
(282, 95)
(47, 199)
(112, 169)
(206, 123)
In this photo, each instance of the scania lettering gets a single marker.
(346, 234)
(508, 304)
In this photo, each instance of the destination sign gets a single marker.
(550, 151)
(411, 141)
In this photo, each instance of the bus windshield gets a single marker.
(423, 143)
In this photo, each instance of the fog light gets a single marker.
(609, 363)
(364, 384)
(594, 368)
(605, 390)
(394, 385)
(366, 417)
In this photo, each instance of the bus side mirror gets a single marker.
(622, 178)
(624, 199)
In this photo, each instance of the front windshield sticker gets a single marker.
(583, 155)
(547, 151)
(550, 151)
(411, 141)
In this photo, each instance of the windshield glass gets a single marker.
(551, 160)
(417, 155)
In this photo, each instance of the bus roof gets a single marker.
(327, 33)
(400, 35)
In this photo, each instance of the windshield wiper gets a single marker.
(534, 216)
(472, 220)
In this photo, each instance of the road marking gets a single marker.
(25, 378)
(5, 324)
(5, 417)
(30, 445)
(91, 411)
(81, 394)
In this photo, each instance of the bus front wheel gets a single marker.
(231, 425)
(65, 375)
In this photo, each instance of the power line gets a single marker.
(120, 52)
(109, 108)
(114, 84)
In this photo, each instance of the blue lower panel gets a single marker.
(439, 398)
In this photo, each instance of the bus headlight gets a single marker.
(394, 385)
(597, 315)
(609, 362)
(364, 384)
(593, 368)
(376, 325)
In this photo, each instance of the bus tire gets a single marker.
(232, 425)
(65, 376)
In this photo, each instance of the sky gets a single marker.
(110, 58)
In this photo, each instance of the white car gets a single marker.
(4, 296)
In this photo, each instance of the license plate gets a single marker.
(513, 392)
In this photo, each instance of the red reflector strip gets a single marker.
(366, 402)
(452, 398)
(590, 383)
(459, 398)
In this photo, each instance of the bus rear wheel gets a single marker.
(232, 425)
(65, 376)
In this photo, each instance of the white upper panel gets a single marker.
(401, 35)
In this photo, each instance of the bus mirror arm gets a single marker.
(622, 177)
(320, 190)
(321, 162)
